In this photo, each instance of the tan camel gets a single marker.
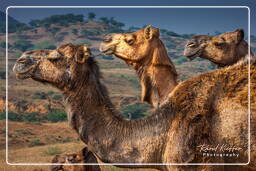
(209, 109)
(224, 50)
(147, 54)
(125, 51)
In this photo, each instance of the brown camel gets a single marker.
(224, 50)
(209, 109)
(147, 54)
(119, 41)
(81, 157)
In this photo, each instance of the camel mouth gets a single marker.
(107, 50)
(192, 53)
(23, 69)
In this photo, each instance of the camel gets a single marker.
(223, 50)
(209, 109)
(84, 156)
(125, 51)
(146, 53)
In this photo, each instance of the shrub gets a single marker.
(54, 30)
(45, 45)
(2, 74)
(180, 60)
(22, 45)
(59, 38)
(90, 32)
(50, 92)
(135, 111)
(2, 115)
(2, 44)
(12, 116)
(83, 43)
(133, 80)
(57, 97)
(52, 151)
(39, 95)
(107, 57)
(32, 117)
(36, 143)
(57, 115)
(74, 31)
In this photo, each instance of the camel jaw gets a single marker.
(107, 50)
(192, 53)
(21, 71)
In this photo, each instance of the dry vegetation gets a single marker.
(40, 141)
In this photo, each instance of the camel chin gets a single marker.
(22, 72)
(191, 53)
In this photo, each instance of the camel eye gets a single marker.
(130, 41)
(219, 44)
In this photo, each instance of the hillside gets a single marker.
(36, 114)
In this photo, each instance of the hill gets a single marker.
(36, 114)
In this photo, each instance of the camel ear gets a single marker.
(82, 54)
(239, 35)
(54, 54)
(150, 32)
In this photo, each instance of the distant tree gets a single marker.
(104, 20)
(74, 31)
(35, 23)
(91, 16)
(22, 45)
(216, 33)
(54, 30)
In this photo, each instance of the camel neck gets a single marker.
(93, 116)
(158, 76)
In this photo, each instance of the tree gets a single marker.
(104, 20)
(91, 16)
(74, 31)
(22, 45)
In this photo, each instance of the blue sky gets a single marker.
(199, 21)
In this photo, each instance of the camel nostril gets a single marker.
(22, 60)
(191, 44)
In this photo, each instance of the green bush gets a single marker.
(74, 31)
(83, 43)
(135, 111)
(57, 97)
(54, 30)
(133, 80)
(39, 95)
(2, 74)
(2, 115)
(57, 115)
(12, 116)
(36, 143)
(59, 38)
(53, 151)
(22, 45)
(107, 57)
(45, 45)
(90, 32)
(180, 60)
(2, 44)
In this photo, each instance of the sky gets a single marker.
(181, 20)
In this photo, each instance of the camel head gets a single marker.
(223, 49)
(134, 48)
(59, 67)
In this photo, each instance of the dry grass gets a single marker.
(37, 154)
